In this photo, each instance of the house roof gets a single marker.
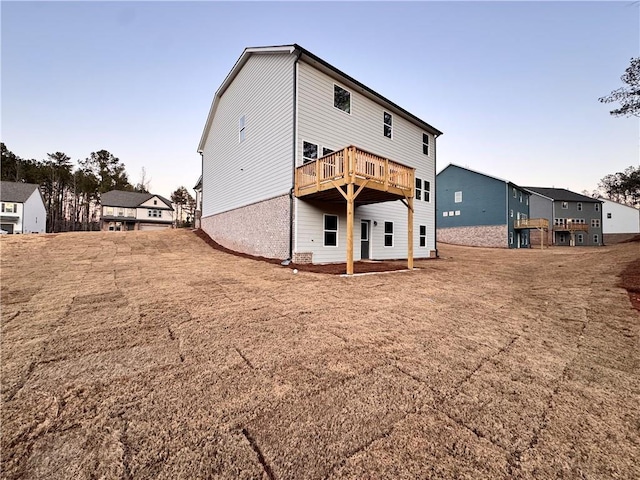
(561, 194)
(322, 65)
(480, 173)
(607, 200)
(120, 198)
(16, 191)
(198, 183)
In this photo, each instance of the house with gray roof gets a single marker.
(574, 219)
(302, 162)
(123, 211)
(22, 208)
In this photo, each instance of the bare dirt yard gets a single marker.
(152, 355)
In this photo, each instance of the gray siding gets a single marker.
(260, 168)
(319, 122)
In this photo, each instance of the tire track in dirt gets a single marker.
(256, 448)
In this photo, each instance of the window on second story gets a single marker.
(341, 98)
(9, 207)
(595, 222)
(565, 205)
(579, 205)
(457, 197)
(425, 144)
(242, 128)
(108, 211)
(423, 190)
(309, 152)
(327, 151)
(387, 119)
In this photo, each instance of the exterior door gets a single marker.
(364, 239)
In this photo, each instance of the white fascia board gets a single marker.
(231, 76)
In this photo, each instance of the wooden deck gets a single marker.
(378, 179)
(540, 223)
(357, 177)
(571, 227)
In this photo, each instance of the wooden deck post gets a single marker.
(410, 233)
(350, 215)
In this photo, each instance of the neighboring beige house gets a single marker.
(301, 161)
(22, 209)
(135, 211)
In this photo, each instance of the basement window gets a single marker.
(423, 236)
(341, 98)
(388, 234)
(387, 119)
(330, 231)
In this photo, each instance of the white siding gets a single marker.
(624, 219)
(237, 174)
(34, 214)
(149, 203)
(143, 214)
(321, 123)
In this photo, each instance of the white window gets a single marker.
(330, 231)
(520, 197)
(596, 207)
(445, 214)
(580, 238)
(423, 190)
(526, 200)
(341, 99)
(511, 213)
(387, 120)
(388, 234)
(108, 210)
(327, 151)
(458, 197)
(515, 194)
(560, 221)
(565, 205)
(596, 239)
(595, 222)
(457, 213)
(451, 212)
(309, 152)
(579, 206)
(154, 213)
(510, 238)
(423, 235)
(10, 207)
(241, 129)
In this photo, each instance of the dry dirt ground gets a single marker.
(151, 355)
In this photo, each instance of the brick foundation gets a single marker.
(481, 236)
(260, 229)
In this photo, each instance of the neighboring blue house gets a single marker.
(476, 209)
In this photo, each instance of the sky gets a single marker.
(514, 86)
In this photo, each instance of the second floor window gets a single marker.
(595, 222)
(9, 207)
(242, 128)
(154, 213)
(341, 98)
(423, 190)
(387, 119)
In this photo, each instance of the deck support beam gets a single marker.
(410, 233)
(350, 215)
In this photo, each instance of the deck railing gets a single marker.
(353, 163)
(571, 227)
(531, 223)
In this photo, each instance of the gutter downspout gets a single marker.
(435, 196)
(293, 156)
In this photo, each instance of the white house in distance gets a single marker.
(303, 162)
(22, 208)
(618, 220)
(135, 211)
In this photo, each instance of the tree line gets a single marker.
(71, 195)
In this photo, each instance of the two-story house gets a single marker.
(574, 219)
(303, 162)
(22, 209)
(123, 211)
(481, 210)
